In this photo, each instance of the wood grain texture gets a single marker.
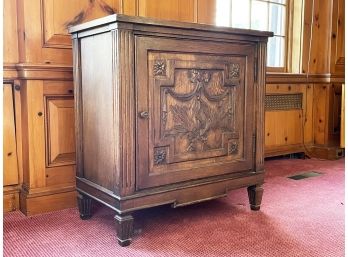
(326, 113)
(259, 108)
(295, 36)
(288, 130)
(60, 175)
(320, 114)
(129, 7)
(11, 170)
(10, 43)
(176, 10)
(47, 203)
(206, 10)
(338, 37)
(78, 108)
(30, 71)
(45, 38)
(317, 36)
(18, 123)
(10, 199)
(97, 123)
(33, 130)
(55, 30)
(60, 139)
(124, 109)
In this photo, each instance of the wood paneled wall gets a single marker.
(324, 37)
(38, 72)
(289, 129)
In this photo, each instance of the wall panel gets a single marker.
(179, 10)
(10, 31)
(11, 176)
(288, 128)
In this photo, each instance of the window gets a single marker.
(270, 15)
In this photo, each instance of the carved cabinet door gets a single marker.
(195, 109)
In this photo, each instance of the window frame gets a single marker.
(287, 37)
(287, 29)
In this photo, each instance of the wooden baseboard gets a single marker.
(11, 198)
(327, 153)
(284, 149)
(31, 205)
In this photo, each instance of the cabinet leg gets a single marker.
(255, 196)
(85, 206)
(124, 226)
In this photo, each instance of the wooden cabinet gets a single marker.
(176, 115)
(37, 52)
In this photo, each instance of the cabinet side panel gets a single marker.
(97, 110)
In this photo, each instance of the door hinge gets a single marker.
(256, 67)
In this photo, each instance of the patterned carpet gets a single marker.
(297, 218)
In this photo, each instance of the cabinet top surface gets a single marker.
(133, 20)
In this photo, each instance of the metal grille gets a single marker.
(283, 101)
(308, 174)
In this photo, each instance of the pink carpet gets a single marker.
(297, 218)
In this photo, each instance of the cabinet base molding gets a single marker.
(181, 195)
(31, 204)
(11, 198)
(327, 152)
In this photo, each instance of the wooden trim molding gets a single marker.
(10, 72)
(65, 72)
(11, 198)
(46, 203)
(292, 78)
(36, 192)
(44, 71)
(271, 151)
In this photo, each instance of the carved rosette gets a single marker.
(160, 156)
(159, 68)
(233, 148)
(234, 71)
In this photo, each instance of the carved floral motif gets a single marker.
(234, 71)
(233, 148)
(204, 114)
(160, 156)
(159, 68)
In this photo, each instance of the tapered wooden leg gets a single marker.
(124, 226)
(255, 196)
(85, 206)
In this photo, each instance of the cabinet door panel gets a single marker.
(192, 106)
(60, 130)
(10, 149)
